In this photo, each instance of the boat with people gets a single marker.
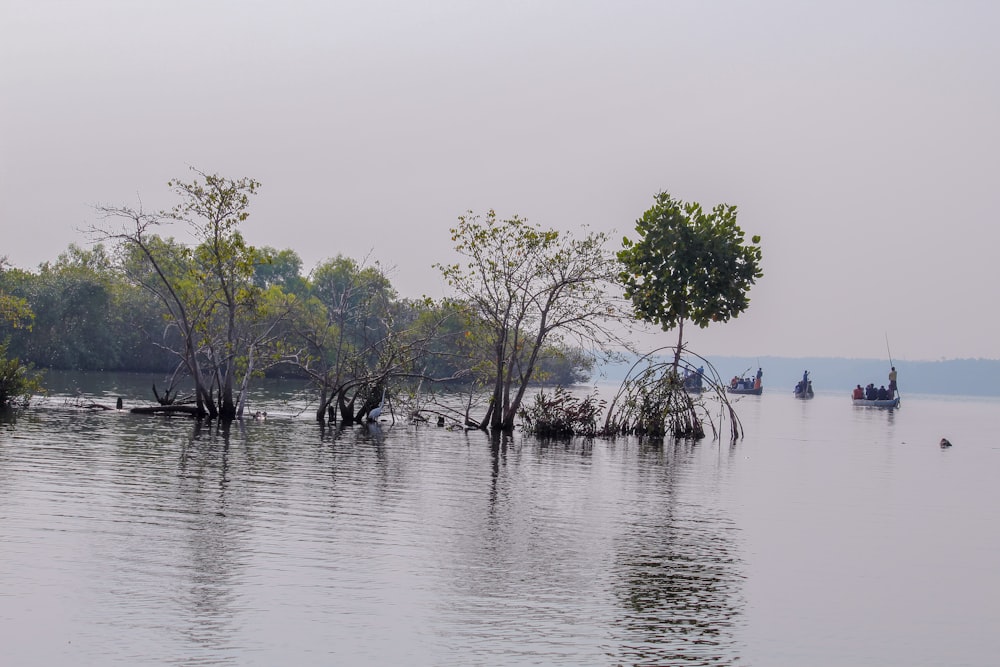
(871, 396)
(747, 386)
(804, 387)
(883, 397)
(693, 381)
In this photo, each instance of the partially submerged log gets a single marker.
(191, 410)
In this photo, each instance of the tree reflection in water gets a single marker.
(678, 576)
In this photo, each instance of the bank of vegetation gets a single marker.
(182, 293)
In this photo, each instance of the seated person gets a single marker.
(883, 394)
(858, 392)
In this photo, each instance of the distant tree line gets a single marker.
(85, 315)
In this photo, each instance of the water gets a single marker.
(830, 535)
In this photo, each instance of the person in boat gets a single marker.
(858, 393)
(735, 382)
(892, 383)
(870, 392)
(883, 393)
(756, 381)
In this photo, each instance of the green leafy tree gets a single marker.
(16, 315)
(688, 264)
(214, 207)
(282, 268)
(74, 305)
(17, 381)
(207, 291)
(530, 287)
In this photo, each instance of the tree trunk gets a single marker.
(680, 345)
(324, 403)
(346, 409)
(227, 407)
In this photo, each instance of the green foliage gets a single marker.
(18, 383)
(563, 365)
(83, 316)
(281, 268)
(14, 310)
(527, 287)
(345, 332)
(209, 300)
(689, 264)
(562, 414)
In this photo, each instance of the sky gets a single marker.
(860, 140)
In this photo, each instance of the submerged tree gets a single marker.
(207, 292)
(688, 264)
(214, 207)
(341, 331)
(529, 287)
(652, 401)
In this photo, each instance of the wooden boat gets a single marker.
(746, 386)
(887, 403)
(693, 382)
(803, 394)
(693, 388)
(804, 387)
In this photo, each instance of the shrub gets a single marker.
(18, 382)
(562, 414)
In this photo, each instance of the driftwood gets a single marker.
(191, 410)
(100, 406)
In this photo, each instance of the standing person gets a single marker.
(756, 382)
(892, 382)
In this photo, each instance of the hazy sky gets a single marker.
(861, 140)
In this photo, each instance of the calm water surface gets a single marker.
(830, 535)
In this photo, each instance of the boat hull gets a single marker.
(887, 403)
(746, 392)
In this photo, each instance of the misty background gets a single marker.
(858, 139)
